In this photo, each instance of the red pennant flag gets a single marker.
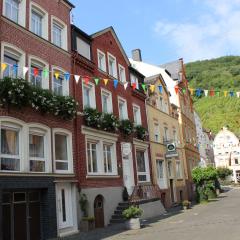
(176, 89)
(86, 80)
(212, 92)
(35, 72)
(134, 86)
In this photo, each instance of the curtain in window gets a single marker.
(61, 147)
(141, 161)
(9, 142)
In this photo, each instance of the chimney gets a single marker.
(136, 55)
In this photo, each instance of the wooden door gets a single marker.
(99, 212)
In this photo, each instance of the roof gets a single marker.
(111, 29)
(173, 68)
(81, 32)
(150, 70)
(69, 3)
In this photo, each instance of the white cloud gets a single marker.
(215, 33)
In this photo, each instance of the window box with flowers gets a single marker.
(126, 127)
(19, 93)
(140, 132)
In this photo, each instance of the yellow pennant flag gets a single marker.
(152, 88)
(225, 93)
(3, 66)
(105, 81)
(56, 74)
(191, 91)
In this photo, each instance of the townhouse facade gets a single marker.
(37, 180)
(165, 143)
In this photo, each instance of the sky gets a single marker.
(166, 30)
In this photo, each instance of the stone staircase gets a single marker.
(117, 216)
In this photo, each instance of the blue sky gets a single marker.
(166, 30)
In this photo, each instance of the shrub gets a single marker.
(109, 122)
(126, 127)
(223, 172)
(92, 117)
(140, 132)
(132, 212)
(186, 203)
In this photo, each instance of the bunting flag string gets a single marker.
(66, 75)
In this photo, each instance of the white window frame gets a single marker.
(104, 67)
(109, 100)
(157, 133)
(114, 73)
(121, 69)
(138, 118)
(65, 91)
(68, 134)
(64, 33)
(142, 147)
(83, 48)
(92, 99)
(163, 173)
(94, 136)
(39, 63)
(46, 132)
(44, 14)
(13, 50)
(21, 12)
(125, 113)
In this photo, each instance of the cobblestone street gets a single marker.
(216, 220)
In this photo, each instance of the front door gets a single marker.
(64, 205)
(21, 214)
(128, 175)
(99, 212)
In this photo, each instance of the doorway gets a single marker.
(21, 214)
(99, 211)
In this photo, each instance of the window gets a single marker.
(134, 79)
(37, 152)
(36, 23)
(106, 101)
(170, 169)
(160, 172)
(101, 60)
(112, 65)
(89, 96)
(142, 168)
(236, 161)
(107, 155)
(62, 151)
(59, 33)
(178, 169)
(83, 48)
(101, 154)
(92, 157)
(60, 85)
(10, 155)
(156, 133)
(137, 115)
(12, 9)
(122, 107)
(14, 58)
(161, 103)
(122, 73)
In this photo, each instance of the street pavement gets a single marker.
(219, 219)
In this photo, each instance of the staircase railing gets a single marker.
(144, 192)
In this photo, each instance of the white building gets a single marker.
(227, 152)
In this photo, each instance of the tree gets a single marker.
(223, 172)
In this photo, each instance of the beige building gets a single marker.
(165, 143)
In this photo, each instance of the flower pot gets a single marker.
(86, 226)
(133, 224)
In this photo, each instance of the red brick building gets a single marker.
(107, 160)
(37, 189)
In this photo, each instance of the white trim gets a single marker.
(120, 67)
(137, 121)
(109, 102)
(65, 87)
(105, 65)
(44, 14)
(68, 134)
(115, 74)
(92, 99)
(64, 36)
(45, 80)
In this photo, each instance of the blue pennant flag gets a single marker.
(198, 92)
(67, 76)
(160, 88)
(15, 69)
(115, 83)
(231, 93)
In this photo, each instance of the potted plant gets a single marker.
(186, 204)
(87, 222)
(132, 215)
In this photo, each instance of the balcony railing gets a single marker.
(144, 193)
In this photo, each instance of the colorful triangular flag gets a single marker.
(96, 81)
(105, 80)
(225, 93)
(45, 73)
(217, 93)
(86, 79)
(238, 94)
(231, 94)
(56, 74)
(15, 69)
(125, 85)
(25, 70)
(176, 89)
(3, 66)
(160, 88)
(206, 92)
(152, 88)
(134, 85)
(183, 90)
(191, 91)
(67, 76)
(36, 72)
(77, 77)
(115, 83)
(144, 87)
